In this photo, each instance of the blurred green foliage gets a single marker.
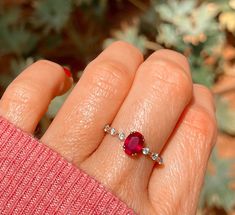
(51, 16)
(73, 32)
(225, 116)
(217, 190)
(14, 35)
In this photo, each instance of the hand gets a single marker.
(155, 97)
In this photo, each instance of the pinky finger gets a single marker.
(27, 98)
(177, 186)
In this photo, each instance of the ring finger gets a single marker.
(161, 90)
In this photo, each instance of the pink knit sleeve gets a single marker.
(36, 180)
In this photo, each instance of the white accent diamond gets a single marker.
(113, 131)
(145, 151)
(154, 156)
(121, 136)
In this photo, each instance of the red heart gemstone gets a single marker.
(133, 143)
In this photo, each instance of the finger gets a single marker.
(27, 98)
(75, 132)
(161, 90)
(186, 156)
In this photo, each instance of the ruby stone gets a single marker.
(133, 143)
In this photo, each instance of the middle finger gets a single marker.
(160, 92)
(75, 132)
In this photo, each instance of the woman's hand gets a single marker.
(155, 97)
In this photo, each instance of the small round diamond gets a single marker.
(154, 156)
(106, 128)
(121, 136)
(145, 151)
(113, 131)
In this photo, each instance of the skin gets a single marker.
(155, 97)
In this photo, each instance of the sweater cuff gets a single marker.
(34, 179)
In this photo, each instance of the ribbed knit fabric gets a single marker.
(36, 180)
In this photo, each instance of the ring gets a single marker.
(133, 143)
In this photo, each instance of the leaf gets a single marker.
(203, 76)
(10, 16)
(99, 5)
(225, 116)
(17, 66)
(192, 28)
(52, 15)
(5, 80)
(165, 12)
(185, 20)
(168, 36)
(174, 9)
(17, 40)
(14, 37)
(216, 190)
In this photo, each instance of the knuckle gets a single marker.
(19, 96)
(203, 122)
(24, 91)
(167, 52)
(169, 73)
(108, 76)
(125, 46)
(172, 56)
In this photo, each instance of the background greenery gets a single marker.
(73, 32)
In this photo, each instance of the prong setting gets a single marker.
(113, 131)
(121, 136)
(154, 156)
(146, 151)
(139, 148)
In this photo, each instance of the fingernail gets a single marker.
(67, 72)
